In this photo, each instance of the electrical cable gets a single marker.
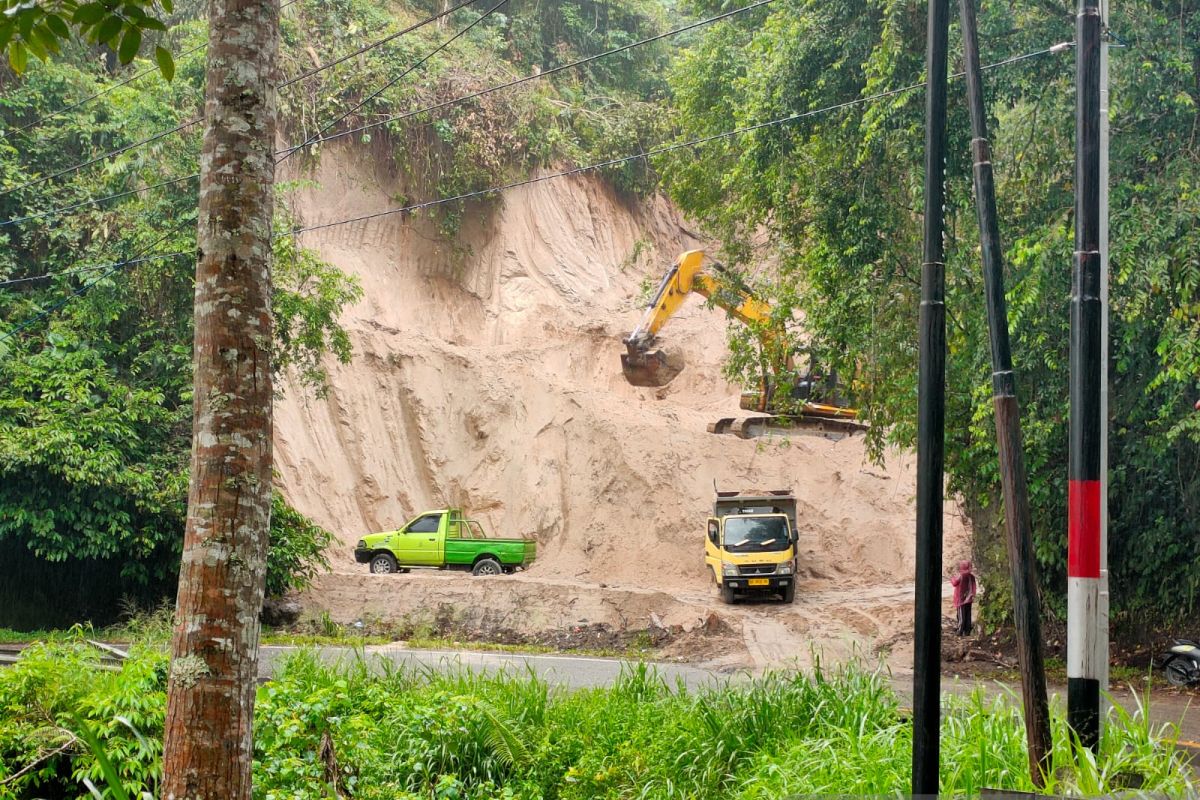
(162, 134)
(655, 151)
(94, 268)
(373, 45)
(1058, 48)
(105, 157)
(473, 95)
(545, 73)
(390, 83)
(54, 212)
(83, 288)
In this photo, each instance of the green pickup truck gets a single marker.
(443, 540)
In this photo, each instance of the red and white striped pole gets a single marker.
(1087, 656)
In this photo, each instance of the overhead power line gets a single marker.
(184, 125)
(111, 87)
(1058, 48)
(373, 45)
(546, 73)
(390, 83)
(85, 287)
(111, 154)
(93, 268)
(657, 150)
(55, 212)
(286, 152)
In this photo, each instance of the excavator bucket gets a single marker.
(650, 367)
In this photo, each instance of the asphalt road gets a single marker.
(573, 672)
(577, 672)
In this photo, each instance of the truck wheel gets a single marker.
(487, 566)
(789, 594)
(727, 594)
(384, 564)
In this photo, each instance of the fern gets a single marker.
(504, 741)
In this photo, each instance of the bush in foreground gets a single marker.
(375, 732)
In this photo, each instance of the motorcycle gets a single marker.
(1181, 663)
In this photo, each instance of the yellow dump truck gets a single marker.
(751, 543)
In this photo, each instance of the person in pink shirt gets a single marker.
(964, 594)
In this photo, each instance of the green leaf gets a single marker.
(89, 14)
(18, 58)
(168, 6)
(25, 20)
(166, 64)
(56, 24)
(131, 42)
(109, 29)
(151, 24)
(48, 38)
(7, 29)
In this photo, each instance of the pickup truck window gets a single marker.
(749, 535)
(425, 524)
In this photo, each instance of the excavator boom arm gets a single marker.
(687, 275)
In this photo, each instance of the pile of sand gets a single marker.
(486, 374)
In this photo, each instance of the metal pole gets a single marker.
(931, 403)
(1102, 630)
(1084, 653)
(1017, 519)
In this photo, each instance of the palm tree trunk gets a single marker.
(210, 696)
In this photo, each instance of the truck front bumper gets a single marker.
(362, 555)
(763, 583)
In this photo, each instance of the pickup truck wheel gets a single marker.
(727, 595)
(487, 566)
(384, 564)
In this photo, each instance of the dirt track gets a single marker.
(488, 376)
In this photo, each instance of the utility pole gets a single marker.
(1102, 630)
(1087, 651)
(208, 743)
(1018, 522)
(931, 407)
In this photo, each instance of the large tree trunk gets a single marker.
(210, 699)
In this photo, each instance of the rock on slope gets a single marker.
(487, 375)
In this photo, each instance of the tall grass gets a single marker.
(370, 730)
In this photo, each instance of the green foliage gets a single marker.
(95, 399)
(840, 195)
(57, 697)
(378, 732)
(297, 549)
(604, 109)
(42, 29)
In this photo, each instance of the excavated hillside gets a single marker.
(486, 374)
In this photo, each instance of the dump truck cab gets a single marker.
(750, 543)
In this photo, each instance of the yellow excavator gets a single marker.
(814, 406)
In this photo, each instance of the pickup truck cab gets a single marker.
(443, 539)
(751, 544)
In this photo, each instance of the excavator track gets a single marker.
(806, 425)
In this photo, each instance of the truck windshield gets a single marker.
(756, 534)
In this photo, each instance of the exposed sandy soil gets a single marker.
(490, 378)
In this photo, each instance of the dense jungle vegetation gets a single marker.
(359, 729)
(95, 393)
(840, 195)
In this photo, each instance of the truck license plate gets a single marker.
(760, 582)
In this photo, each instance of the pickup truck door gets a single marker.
(419, 543)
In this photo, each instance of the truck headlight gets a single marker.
(783, 569)
(728, 569)
(362, 544)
